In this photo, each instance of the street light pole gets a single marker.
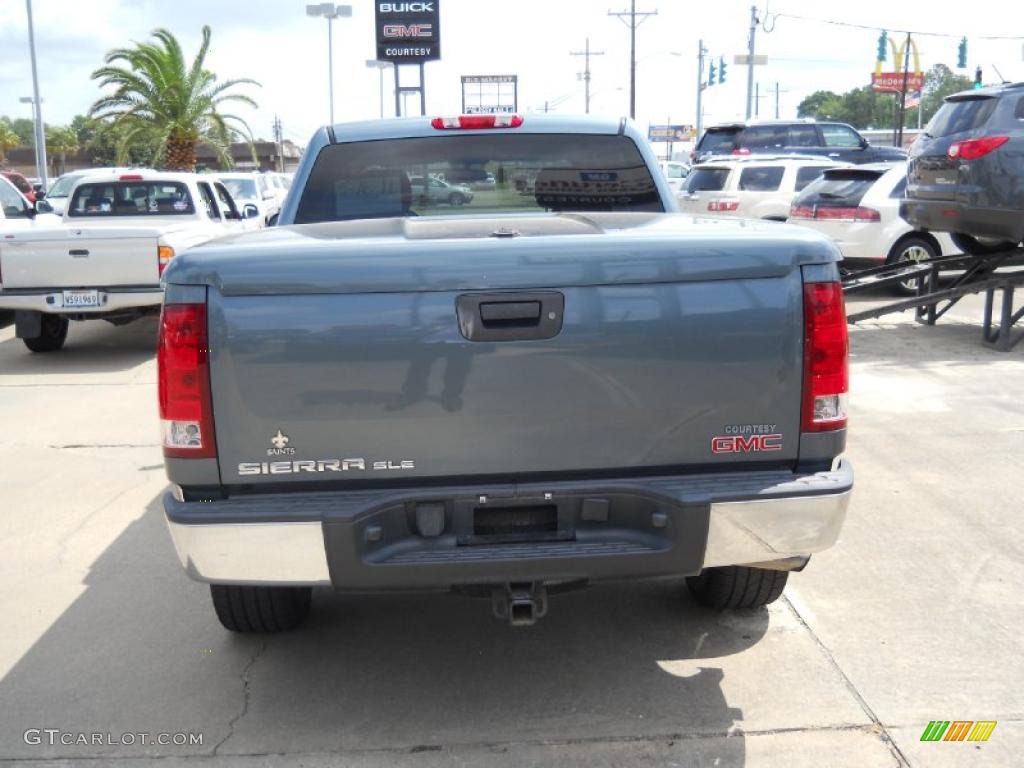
(701, 51)
(36, 103)
(380, 66)
(750, 58)
(330, 11)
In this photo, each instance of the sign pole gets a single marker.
(903, 90)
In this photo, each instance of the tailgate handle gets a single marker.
(506, 314)
(511, 316)
(78, 252)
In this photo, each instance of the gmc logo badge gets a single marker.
(406, 7)
(746, 444)
(408, 30)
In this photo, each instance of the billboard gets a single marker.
(670, 133)
(489, 93)
(408, 33)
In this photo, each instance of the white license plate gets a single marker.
(81, 298)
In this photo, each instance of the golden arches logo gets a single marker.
(898, 52)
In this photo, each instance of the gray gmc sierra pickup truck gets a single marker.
(563, 381)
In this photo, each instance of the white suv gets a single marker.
(750, 187)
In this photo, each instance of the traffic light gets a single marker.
(883, 43)
(721, 69)
(961, 56)
(711, 74)
(977, 78)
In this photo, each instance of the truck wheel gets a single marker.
(260, 609)
(737, 586)
(980, 246)
(53, 332)
(910, 249)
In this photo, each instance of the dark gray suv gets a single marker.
(966, 171)
(836, 141)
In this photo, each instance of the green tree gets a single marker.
(60, 140)
(155, 93)
(940, 82)
(112, 142)
(25, 130)
(8, 139)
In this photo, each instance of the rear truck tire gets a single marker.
(260, 609)
(53, 333)
(737, 586)
(980, 246)
(908, 249)
(455, 199)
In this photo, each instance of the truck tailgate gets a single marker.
(80, 258)
(658, 352)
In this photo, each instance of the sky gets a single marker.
(275, 43)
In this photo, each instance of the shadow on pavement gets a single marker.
(93, 346)
(141, 651)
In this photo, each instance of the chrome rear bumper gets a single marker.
(789, 519)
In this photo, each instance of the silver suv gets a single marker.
(430, 190)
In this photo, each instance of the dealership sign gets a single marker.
(408, 33)
(483, 94)
(670, 133)
(892, 82)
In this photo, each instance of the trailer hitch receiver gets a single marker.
(520, 604)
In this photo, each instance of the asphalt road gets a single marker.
(916, 615)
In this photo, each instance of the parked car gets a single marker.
(966, 168)
(837, 141)
(254, 189)
(16, 212)
(486, 183)
(119, 233)
(675, 171)
(60, 190)
(753, 187)
(858, 207)
(433, 190)
(576, 386)
(21, 184)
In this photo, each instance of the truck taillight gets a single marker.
(183, 376)
(826, 358)
(164, 254)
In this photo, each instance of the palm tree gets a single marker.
(59, 141)
(8, 140)
(155, 92)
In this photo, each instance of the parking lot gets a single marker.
(915, 616)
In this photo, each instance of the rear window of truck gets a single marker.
(425, 176)
(131, 198)
(720, 142)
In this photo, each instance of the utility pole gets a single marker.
(754, 21)
(777, 92)
(757, 99)
(586, 54)
(279, 140)
(632, 13)
(701, 52)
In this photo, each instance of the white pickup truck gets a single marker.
(105, 259)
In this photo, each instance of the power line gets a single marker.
(632, 13)
(876, 27)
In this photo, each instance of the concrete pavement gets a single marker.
(915, 616)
